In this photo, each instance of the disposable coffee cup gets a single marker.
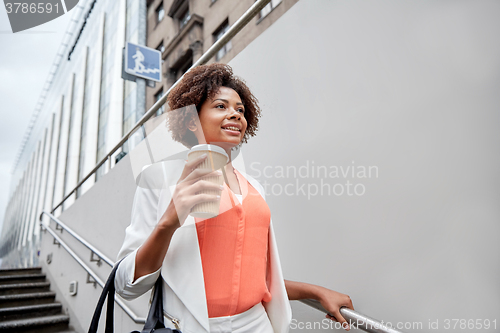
(216, 159)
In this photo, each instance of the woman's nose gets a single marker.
(234, 113)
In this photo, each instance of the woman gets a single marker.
(220, 274)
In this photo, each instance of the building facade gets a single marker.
(182, 30)
(85, 111)
(88, 106)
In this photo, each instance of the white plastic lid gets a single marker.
(205, 147)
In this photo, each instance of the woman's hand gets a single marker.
(332, 301)
(151, 254)
(186, 194)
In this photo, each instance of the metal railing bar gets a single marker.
(128, 311)
(79, 238)
(356, 319)
(235, 28)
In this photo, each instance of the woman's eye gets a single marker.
(221, 105)
(241, 110)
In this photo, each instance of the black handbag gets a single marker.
(154, 322)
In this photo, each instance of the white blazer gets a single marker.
(184, 288)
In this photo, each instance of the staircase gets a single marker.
(27, 304)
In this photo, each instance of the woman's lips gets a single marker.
(232, 132)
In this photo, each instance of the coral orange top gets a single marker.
(234, 252)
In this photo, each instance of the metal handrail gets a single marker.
(355, 319)
(235, 28)
(128, 311)
(79, 238)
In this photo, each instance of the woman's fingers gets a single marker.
(187, 193)
(194, 163)
(203, 185)
(203, 197)
(185, 203)
(193, 181)
(349, 304)
(338, 317)
(331, 317)
(199, 174)
(193, 196)
(191, 165)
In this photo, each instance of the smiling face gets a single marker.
(222, 119)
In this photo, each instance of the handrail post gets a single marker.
(108, 164)
(92, 275)
(61, 226)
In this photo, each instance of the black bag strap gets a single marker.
(109, 292)
(155, 315)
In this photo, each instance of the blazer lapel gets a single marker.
(278, 309)
(182, 268)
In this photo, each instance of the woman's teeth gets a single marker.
(232, 128)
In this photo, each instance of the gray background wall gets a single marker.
(410, 88)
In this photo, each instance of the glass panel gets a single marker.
(274, 3)
(226, 47)
(157, 97)
(160, 13)
(266, 10)
(184, 19)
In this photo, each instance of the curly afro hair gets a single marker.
(196, 86)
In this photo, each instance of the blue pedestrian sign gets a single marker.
(143, 62)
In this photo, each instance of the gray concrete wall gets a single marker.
(410, 88)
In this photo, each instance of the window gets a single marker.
(181, 67)
(160, 13)
(187, 65)
(217, 35)
(179, 11)
(184, 19)
(158, 95)
(107, 79)
(87, 99)
(268, 8)
(161, 47)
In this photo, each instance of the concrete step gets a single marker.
(8, 301)
(21, 278)
(23, 288)
(30, 311)
(18, 271)
(47, 324)
(27, 305)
